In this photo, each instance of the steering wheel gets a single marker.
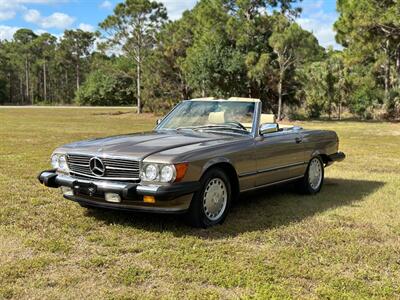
(237, 124)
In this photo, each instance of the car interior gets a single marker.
(219, 118)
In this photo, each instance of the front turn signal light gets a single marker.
(149, 199)
(180, 171)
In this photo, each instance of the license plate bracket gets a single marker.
(85, 188)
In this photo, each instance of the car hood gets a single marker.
(140, 145)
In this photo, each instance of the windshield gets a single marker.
(215, 115)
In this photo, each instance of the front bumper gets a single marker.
(174, 198)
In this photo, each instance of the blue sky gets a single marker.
(56, 15)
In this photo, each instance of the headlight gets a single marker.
(167, 173)
(151, 172)
(59, 161)
(54, 161)
(62, 162)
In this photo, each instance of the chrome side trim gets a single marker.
(272, 169)
(247, 174)
(282, 167)
(272, 183)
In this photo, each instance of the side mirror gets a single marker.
(158, 121)
(269, 128)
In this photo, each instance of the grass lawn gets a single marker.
(342, 243)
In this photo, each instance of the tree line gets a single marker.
(41, 69)
(221, 48)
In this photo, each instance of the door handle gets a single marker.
(298, 140)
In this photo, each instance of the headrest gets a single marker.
(267, 118)
(216, 117)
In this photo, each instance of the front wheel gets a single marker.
(314, 177)
(210, 205)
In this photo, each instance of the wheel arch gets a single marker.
(321, 154)
(225, 165)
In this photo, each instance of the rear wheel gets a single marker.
(314, 177)
(210, 205)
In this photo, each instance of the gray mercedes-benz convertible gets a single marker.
(198, 158)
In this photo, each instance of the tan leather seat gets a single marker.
(216, 117)
(264, 118)
(285, 126)
(270, 118)
(267, 118)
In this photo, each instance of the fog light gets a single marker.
(111, 197)
(149, 199)
(67, 191)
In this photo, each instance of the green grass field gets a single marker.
(342, 243)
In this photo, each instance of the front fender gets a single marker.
(215, 161)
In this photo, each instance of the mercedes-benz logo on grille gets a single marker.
(97, 166)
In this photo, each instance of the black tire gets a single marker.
(196, 215)
(305, 187)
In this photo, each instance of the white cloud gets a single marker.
(175, 8)
(86, 27)
(6, 15)
(39, 1)
(7, 32)
(32, 16)
(321, 25)
(319, 22)
(311, 5)
(106, 4)
(9, 9)
(55, 20)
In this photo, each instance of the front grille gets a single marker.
(115, 168)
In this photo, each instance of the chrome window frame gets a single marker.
(255, 128)
(256, 115)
